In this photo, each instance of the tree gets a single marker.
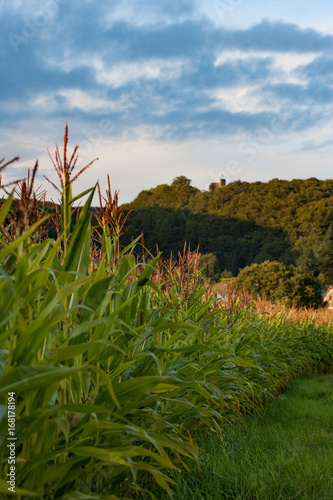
(181, 181)
(325, 257)
(210, 266)
(307, 262)
(225, 275)
(279, 283)
(303, 291)
(264, 280)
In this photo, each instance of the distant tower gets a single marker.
(216, 185)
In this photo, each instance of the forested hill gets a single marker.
(241, 223)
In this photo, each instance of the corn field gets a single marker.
(116, 361)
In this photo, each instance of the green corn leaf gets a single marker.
(163, 326)
(63, 424)
(78, 255)
(25, 378)
(44, 251)
(49, 261)
(246, 363)
(105, 455)
(147, 272)
(21, 268)
(159, 477)
(79, 196)
(97, 293)
(130, 247)
(132, 389)
(6, 207)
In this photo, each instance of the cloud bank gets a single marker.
(162, 71)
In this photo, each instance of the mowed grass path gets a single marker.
(287, 453)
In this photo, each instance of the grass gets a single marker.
(287, 453)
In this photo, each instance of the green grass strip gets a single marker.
(287, 453)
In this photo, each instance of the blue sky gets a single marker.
(157, 89)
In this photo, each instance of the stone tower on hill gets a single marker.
(216, 185)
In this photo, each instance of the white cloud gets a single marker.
(123, 73)
(283, 60)
(77, 98)
(245, 13)
(240, 99)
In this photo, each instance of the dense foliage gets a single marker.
(210, 267)
(278, 283)
(242, 223)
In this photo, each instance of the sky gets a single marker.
(155, 89)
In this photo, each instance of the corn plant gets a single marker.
(64, 168)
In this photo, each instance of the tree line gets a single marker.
(242, 223)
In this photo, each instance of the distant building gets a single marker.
(216, 185)
(328, 297)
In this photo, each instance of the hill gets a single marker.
(241, 223)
